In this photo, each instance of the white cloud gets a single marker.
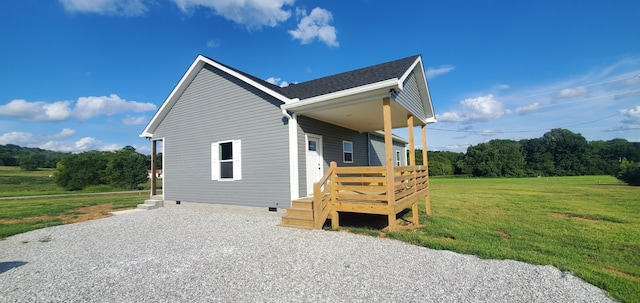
(627, 95)
(579, 91)
(631, 118)
(253, 14)
(64, 133)
(36, 111)
(315, 25)
(85, 108)
(17, 138)
(89, 107)
(135, 120)
(273, 80)
(433, 72)
(527, 108)
(213, 44)
(488, 132)
(106, 7)
(277, 81)
(478, 109)
(57, 142)
(86, 143)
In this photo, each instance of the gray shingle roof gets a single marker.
(350, 79)
(338, 82)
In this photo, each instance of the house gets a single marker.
(158, 174)
(231, 138)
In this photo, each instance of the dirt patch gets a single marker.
(503, 234)
(74, 216)
(87, 213)
(567, 216)
(622, 273)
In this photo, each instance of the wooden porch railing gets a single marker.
(367, 185)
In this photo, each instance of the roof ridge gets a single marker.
(363, 68)
(269, 85)
(349, 79)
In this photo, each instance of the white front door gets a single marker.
(314, 161)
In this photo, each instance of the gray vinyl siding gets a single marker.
(332, 137)
(410, 99)
(376, 151)
(217, 107)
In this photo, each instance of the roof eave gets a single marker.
(319, 101)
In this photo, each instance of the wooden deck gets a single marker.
(362, 189)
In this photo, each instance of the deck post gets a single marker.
(425, 162)
(153, 167)
(412, 148)
(412, 162)
(388, 153)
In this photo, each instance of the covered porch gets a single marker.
(381, 190)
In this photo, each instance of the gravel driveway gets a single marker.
(201, 253)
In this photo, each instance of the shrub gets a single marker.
(629, 172)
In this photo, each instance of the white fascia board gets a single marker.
(245, 79)
(319, 100)
(410, 70)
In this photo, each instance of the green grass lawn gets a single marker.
(15, 182)
(589, 226)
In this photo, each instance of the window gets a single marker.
(225, 161)
(347, 151)
(398, 158)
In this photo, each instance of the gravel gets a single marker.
(198, 253)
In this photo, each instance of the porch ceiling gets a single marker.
(363, 116)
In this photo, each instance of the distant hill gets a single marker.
(30, 157)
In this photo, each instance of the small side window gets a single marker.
(347, 151)
(398, 158)
(226, 162)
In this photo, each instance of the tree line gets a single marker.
(559, 152)
(28, 158)
(124, 168)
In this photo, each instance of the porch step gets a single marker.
(151, 203)
(300, 215)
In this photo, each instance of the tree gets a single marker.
(629, 172)
(496, 158)
(28, 162)
(568, 150)
(538, 160)
(126, 168)
(77, 171)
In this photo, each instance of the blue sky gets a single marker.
(80, 75)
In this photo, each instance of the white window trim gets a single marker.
(345, 152)
(398, 158)
(237, 161)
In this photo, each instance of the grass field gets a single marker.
(22, 215)
(589, 226)
(15, 182)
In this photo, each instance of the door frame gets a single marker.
(320, 152)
